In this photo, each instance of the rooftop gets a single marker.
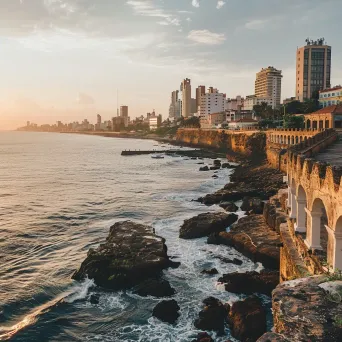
(334, 109)
(330, 89)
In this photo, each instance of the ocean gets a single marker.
(59, 194)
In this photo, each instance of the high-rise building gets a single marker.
(124, 114)
(174, 109)
(186, 97)
(212, 103)
(268, 85)
(199, 91)
(313, 67)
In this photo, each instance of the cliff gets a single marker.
(246, 143)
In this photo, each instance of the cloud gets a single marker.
(84, 99)
(206, 37)
(257, 24)
(195, 3)
(148, 9)
(220, 4)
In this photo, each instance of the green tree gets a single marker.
(263, 110)
(294, 121)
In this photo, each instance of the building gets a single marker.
(194, 108)
(118, 122)
(268, 85)
(327, 117)
(98, 122)
(252, 100)
(175, 106)
(199, 91)
(289, 100)
(331, 96)
(124, 115)
(313, 66)
(234, 104)
(212, 102)
(186, 97)
(243, 124)
(155, 121)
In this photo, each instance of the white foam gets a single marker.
(80, 291)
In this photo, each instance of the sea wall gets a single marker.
(248, 143)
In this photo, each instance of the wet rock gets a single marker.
(235, 261)
(229, 206)
(203, 337)
(211, 271)
(251, 282)
(272, 337)
(254, 205)
(213, 316)
(253, 238)
(247, 319)
(193, 158)
(217, 162)
(167, 311)
(214, 176)
(94, 298)
(131, 254)
(200, 163)
(205, 224)
(215, 167)
(154, 287)
(204, 168)
(225, 166)
(308, 309)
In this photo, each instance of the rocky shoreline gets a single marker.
(133, 257)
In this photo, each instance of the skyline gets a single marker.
(64, 60)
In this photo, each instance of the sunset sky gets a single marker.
(65, 59)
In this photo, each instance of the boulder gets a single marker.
(205, 224)
(203, 337)
(272, 337)
(167, 311)
(253, 204)
(213, 316)
(154, 287)
(225, 166)
(235, 261)
(94, 298)
(247, 319)
(204, 168)
(214, 176)
(211, 271)
(229, 206)
(217, 162)
(250, 282)
(131, 254)
(215, 167)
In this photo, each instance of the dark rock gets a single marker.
(204, 168)
(213, 316)
(154, 287)
(214, 176)
(215, 167)
(130, 255)
(253, 238)
(193, 158)
(235, 261)
(211, 271)
(225, 166)
(167, 311)
(203, 337)
(250, 282)
(229, 206)
(205, 224)
(200, 163)
(247, 319)
(94, 298)
(254, 204)
(272, 337)
(217, 162)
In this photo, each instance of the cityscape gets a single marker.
(214, 109)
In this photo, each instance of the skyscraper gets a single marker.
(124, 114)
(174, 109)
(186, 97)
(313, 67)
(268, 85)
(199, 91)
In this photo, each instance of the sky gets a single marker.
(66, 59)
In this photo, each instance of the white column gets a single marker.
(288, 195)
(293, 213)
(300, 225)
(313, 233)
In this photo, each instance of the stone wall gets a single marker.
(248, 143)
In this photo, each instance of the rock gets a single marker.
(154, 287)
(193, 158)
(254, 204)
(131, 254)
(217, 162)
(213, 316)
(94, 298)
(253, 238)
(229, 206)
(200, 163)
(215, 167)
(214, 176)
(235, 261)
(247, 319)
(167, 311)
(203, 337)
(205, 224)
(272, 337)
(225, 166)
(211, 271)
(308, 309)
(204, 168)
(250, 282)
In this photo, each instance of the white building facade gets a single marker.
(212, 103)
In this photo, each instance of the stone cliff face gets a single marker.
(244, 143)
